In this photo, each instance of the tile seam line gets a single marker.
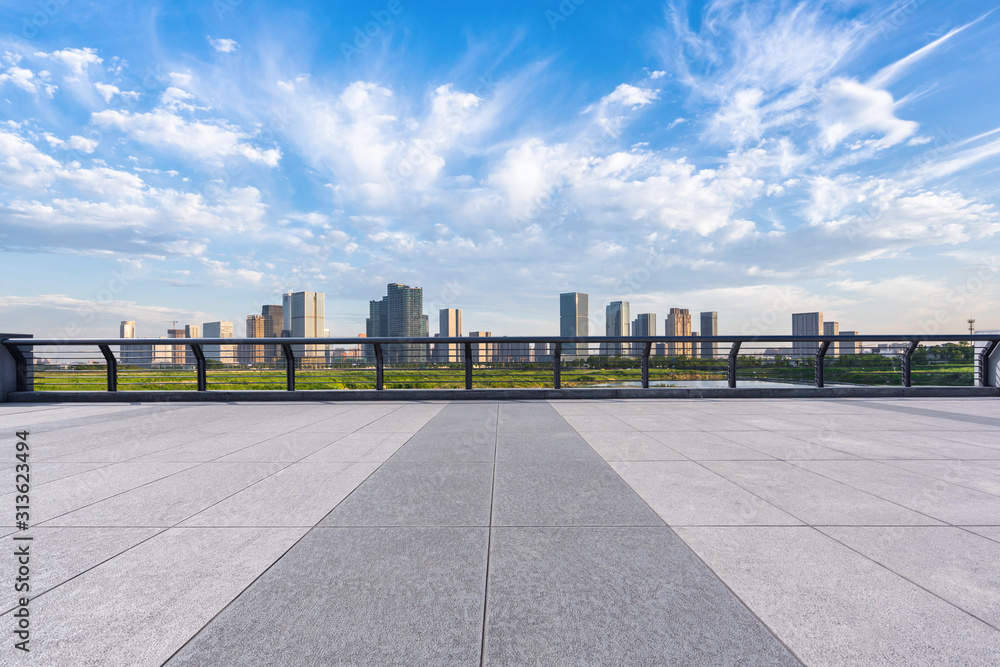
(489, 539)
(273, 563)
(718, 578)
(889, 462)
(905, 578)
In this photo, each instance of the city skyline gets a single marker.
(165, 163)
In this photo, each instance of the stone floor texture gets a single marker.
(613, 532)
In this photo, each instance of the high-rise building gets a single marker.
(274, 322)
(709, 327)
(511, 353)
(806, 324)
(850, 346)
(222, 353)
(644, 325)
(399, 314)
(176, 354)
(250, 354)
(678, 323)
(574, 320)
(617, 323)
(832, 329)
(304, 315)
(133, 355)
(450, 326)
(482, 353)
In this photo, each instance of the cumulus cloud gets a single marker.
(223, 45)
(209, 142)
(850, 107)
(76, 61)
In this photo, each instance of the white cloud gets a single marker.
(223, 45)
(850, 107)
(173, 98)
(211, 143)
(892, 73)
(77, 61)
(108, 91)
(631, 96)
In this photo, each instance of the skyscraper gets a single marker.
(643, 325)
(851, 346)
(832, 329)
(304, 314)
(274, 322)
(450, 326)
(574, 321)
(482, 353)
(399, 314)
(806, 324)
(132, 354)
(678, 324)
(249, 353)
(709, 327)
(617, 323)
(176, 354)
(223, 353)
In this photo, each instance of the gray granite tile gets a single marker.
(949, 562)
(833, 606)
(359, 447)
(138, 608)
(544, 446)
(812, 498)
(700, 446)
(783, 446)
(353, 596)
(288, 447)
(430, 444)
(614, 596)
(419, 494)
(629, 446)
(970, 474)
(299, 495)
(570, 493)
(685, 493)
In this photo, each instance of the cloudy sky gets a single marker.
(191, 161)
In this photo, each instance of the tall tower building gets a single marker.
(304, 315)
(850, 346)
(806, 324)
(483, 353)
(223, 353)
(274, 322)
(709, 327)
(176, 354)
(643, 325)
(832, 329)
(133, 355)
(574, 320)
(617, 323)
(400, 315)
(450, 326)
(249, 353)
(678, 324)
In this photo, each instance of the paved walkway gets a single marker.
(682, 532)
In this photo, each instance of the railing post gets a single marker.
(734, 352)
(467, 347)
(20, 366)
(556, 366)
(112, 367)
(984, 358)
(199, 363)
(907, 362)
(379, 366)
(646, 347)
(289, 367)
(820, 354)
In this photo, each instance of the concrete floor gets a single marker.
(848, 531)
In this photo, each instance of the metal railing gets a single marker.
(562, 353)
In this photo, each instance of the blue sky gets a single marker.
(191, 161)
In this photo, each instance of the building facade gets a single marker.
(709, 327)
(304, 316)
(225, 354)
(574, 320)
(832, 329)
(643, 325)
(399, 314)
(806, 324)
(617, 322)
(678, 323)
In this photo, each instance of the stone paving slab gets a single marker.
(847, 531)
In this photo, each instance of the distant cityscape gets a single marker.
(400, 314)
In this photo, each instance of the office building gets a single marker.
(832, 329)
(176, 354)
(399, 314)
(644, 325)
(482, 353)
(133, 355)
(274, 322)
(512, 353)
(304, 316)
(191, 331)
(709, 327)
(449, 326)
(678, 323)
(617, 322)
(250, 354)
(574, 321)
(225, 354)
(850, 346)
(806, 324)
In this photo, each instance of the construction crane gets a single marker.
(972, 327)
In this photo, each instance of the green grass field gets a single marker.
(93, 378)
